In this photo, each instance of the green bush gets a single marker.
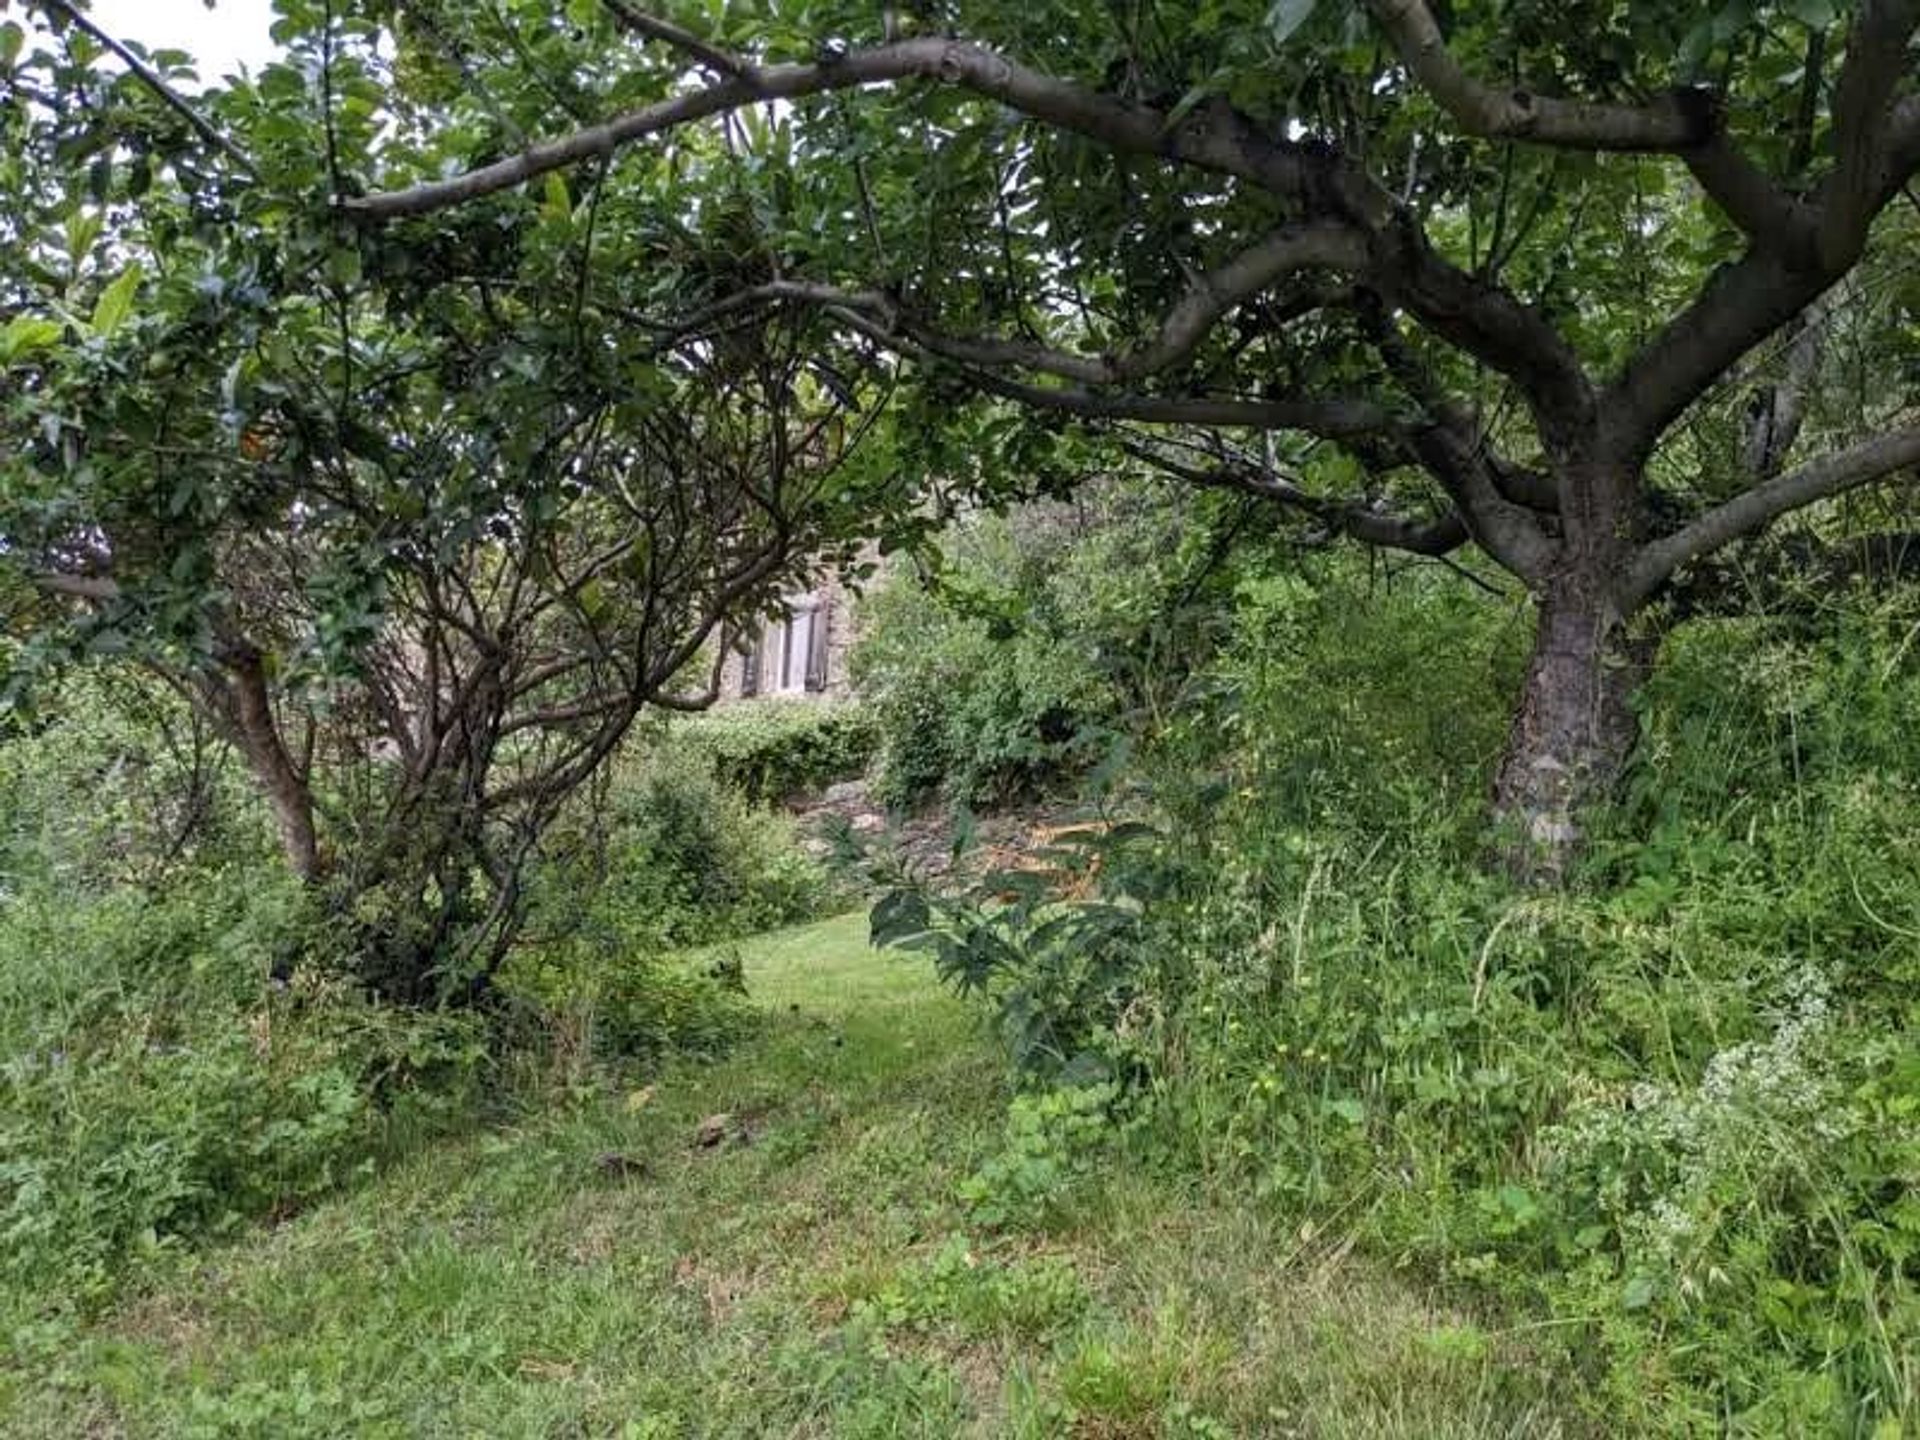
(669, 858)
(1010, 669)
(768, 749)
(1067, 975)
(689, 860)
(157, 1089)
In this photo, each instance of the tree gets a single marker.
(409, 526)
(1466, 277)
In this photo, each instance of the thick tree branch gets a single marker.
(1210, 140)
(1454, 451)
(1370, 526)
(1748, 195)
(1325, 187)
(1876, 59)
(1331, 417)
(1740, 306)
(1672, 123)
(1747, 512)
(1489, 322)
(97, 588)
(1319, 245)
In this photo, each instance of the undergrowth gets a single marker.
(1667, 1113)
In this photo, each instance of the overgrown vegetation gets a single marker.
(1661, 1110)
(1433, 480)
(825, 1277)
(1023, 651)
(185, 1051)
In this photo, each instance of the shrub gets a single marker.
(688, 860)
(983, 719)
(1066, 975)
(157, 1089)
(670, 859)
(1011, 668)
(768, 749)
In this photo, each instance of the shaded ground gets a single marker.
(600, 1273)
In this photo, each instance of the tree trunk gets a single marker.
(285, 787)
(1574, 728)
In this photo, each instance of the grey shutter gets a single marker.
(817, 646)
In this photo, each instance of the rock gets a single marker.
(616, 1166)
(714, 1130)
(847, 792)
(867, 822)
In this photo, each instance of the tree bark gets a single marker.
(286, 789)
(1573, 730)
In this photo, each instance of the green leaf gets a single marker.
(1286, 16)
(899, 915)
(115, 304)
(26, 334)
(343, 266)
(83, 232)
(559, 204)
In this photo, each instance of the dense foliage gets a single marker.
(1668, 1108)
(159, 1089)
(389, 436)
(775, 749)
(1022, 651)
(1367, 264)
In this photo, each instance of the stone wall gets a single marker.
(835, 610)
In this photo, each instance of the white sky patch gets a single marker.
(221, 40)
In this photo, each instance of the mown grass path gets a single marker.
(597, 1272)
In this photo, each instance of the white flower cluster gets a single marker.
(1666, 1153)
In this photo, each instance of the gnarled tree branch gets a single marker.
(1746, 513)
(652, 27)
(1672, 123)
(1438, 536)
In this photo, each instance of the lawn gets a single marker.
(595, 1270)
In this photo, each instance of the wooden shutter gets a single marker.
(750, 666)
(818, 622)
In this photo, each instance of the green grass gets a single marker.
(814, 1279)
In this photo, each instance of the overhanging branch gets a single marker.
(652, 27)
(1330, 417)
(1364, 523)
(151, 78)
(1120, 124)
(1672, 123)
(1748, 512)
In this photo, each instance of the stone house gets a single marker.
(803, 655)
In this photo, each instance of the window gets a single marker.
(790, 656)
